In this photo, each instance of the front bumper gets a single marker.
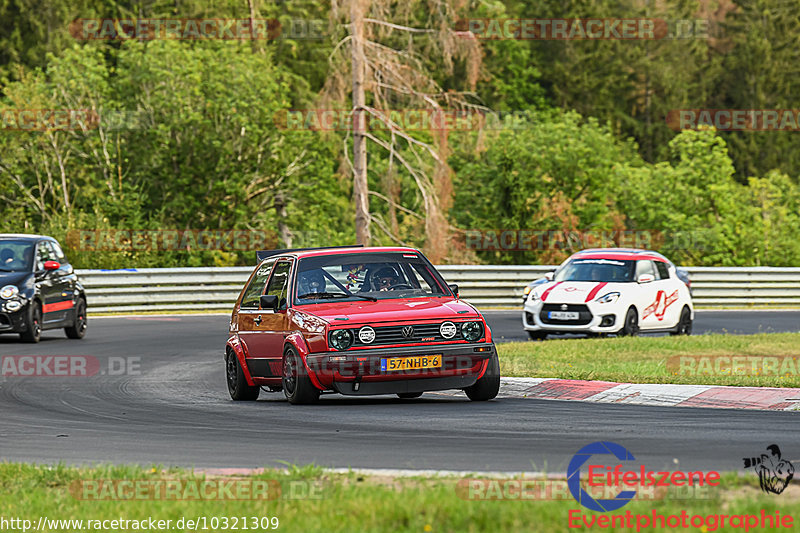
(13, 322)
(594, 317)
(360, 373)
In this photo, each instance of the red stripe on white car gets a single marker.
(546, 293)
(593, 292)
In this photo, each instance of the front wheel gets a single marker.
(488, 385)
(297, 385)
(78, 329)
(631, 327)
(238, 388)
(537, 335)
(34, 331)
(684, 324)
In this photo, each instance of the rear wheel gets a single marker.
(34, 331)
(297, 385)
(408, 395)
(238, 388)
(78, 329)
(488, 385)
(631, 327)
(537, 335)
(684, 324)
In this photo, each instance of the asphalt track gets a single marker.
(172, 408)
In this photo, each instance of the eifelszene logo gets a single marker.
(608, 476)
(774, 473)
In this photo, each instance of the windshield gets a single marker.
(596, 270)
(370, 276)
(16, 255)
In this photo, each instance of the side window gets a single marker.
(256, 287)
(663, 270)
(645, 267)
(278, 285)
(60, 257)
(44, 253)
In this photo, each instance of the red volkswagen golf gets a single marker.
(356, 321)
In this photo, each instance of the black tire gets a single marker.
(238, 388)
(631, 324)
(78, 329)
(488, 386)
(34, 332)
(537, 335)
(408, 395)
(684, 324)
(297, 386)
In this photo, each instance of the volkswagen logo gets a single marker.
(448, 330)
(564, 307)
(366, 335)
(408, 331)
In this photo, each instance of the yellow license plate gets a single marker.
(416, 362)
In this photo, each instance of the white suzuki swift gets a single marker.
(620, 291)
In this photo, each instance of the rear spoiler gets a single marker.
(263, 254)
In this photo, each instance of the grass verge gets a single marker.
(657, 359)
(344, 503)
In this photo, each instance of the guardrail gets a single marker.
(486, 286)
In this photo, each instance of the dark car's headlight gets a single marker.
(8, 292)
(472, 331)
(341, 339)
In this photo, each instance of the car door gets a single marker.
(275, 323)
(249, 315)
(669, 311)
(53, 287)
(646, 293)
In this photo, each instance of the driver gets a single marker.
(7, 257)
(386, 278)
(312, 282)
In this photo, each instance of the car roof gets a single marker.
(343, 250)
(24, 236)
(623, 254)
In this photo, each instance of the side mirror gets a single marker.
(549, 276)
(646, 278)
(454, 288)
(269, 301)
(52, 265)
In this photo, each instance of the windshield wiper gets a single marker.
(6, 269)
(326, 295)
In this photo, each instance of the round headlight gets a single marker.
(472, 331)
(14, 306)
(341, 339)
(8, 292)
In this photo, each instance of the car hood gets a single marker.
(13, 278)
(577, 292)
(411, 310)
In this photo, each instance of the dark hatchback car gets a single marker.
(39, 289)
(356, 321)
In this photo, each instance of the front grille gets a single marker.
(4, 320)
(394, 334)
(584, 317)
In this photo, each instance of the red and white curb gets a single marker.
(763, 398)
